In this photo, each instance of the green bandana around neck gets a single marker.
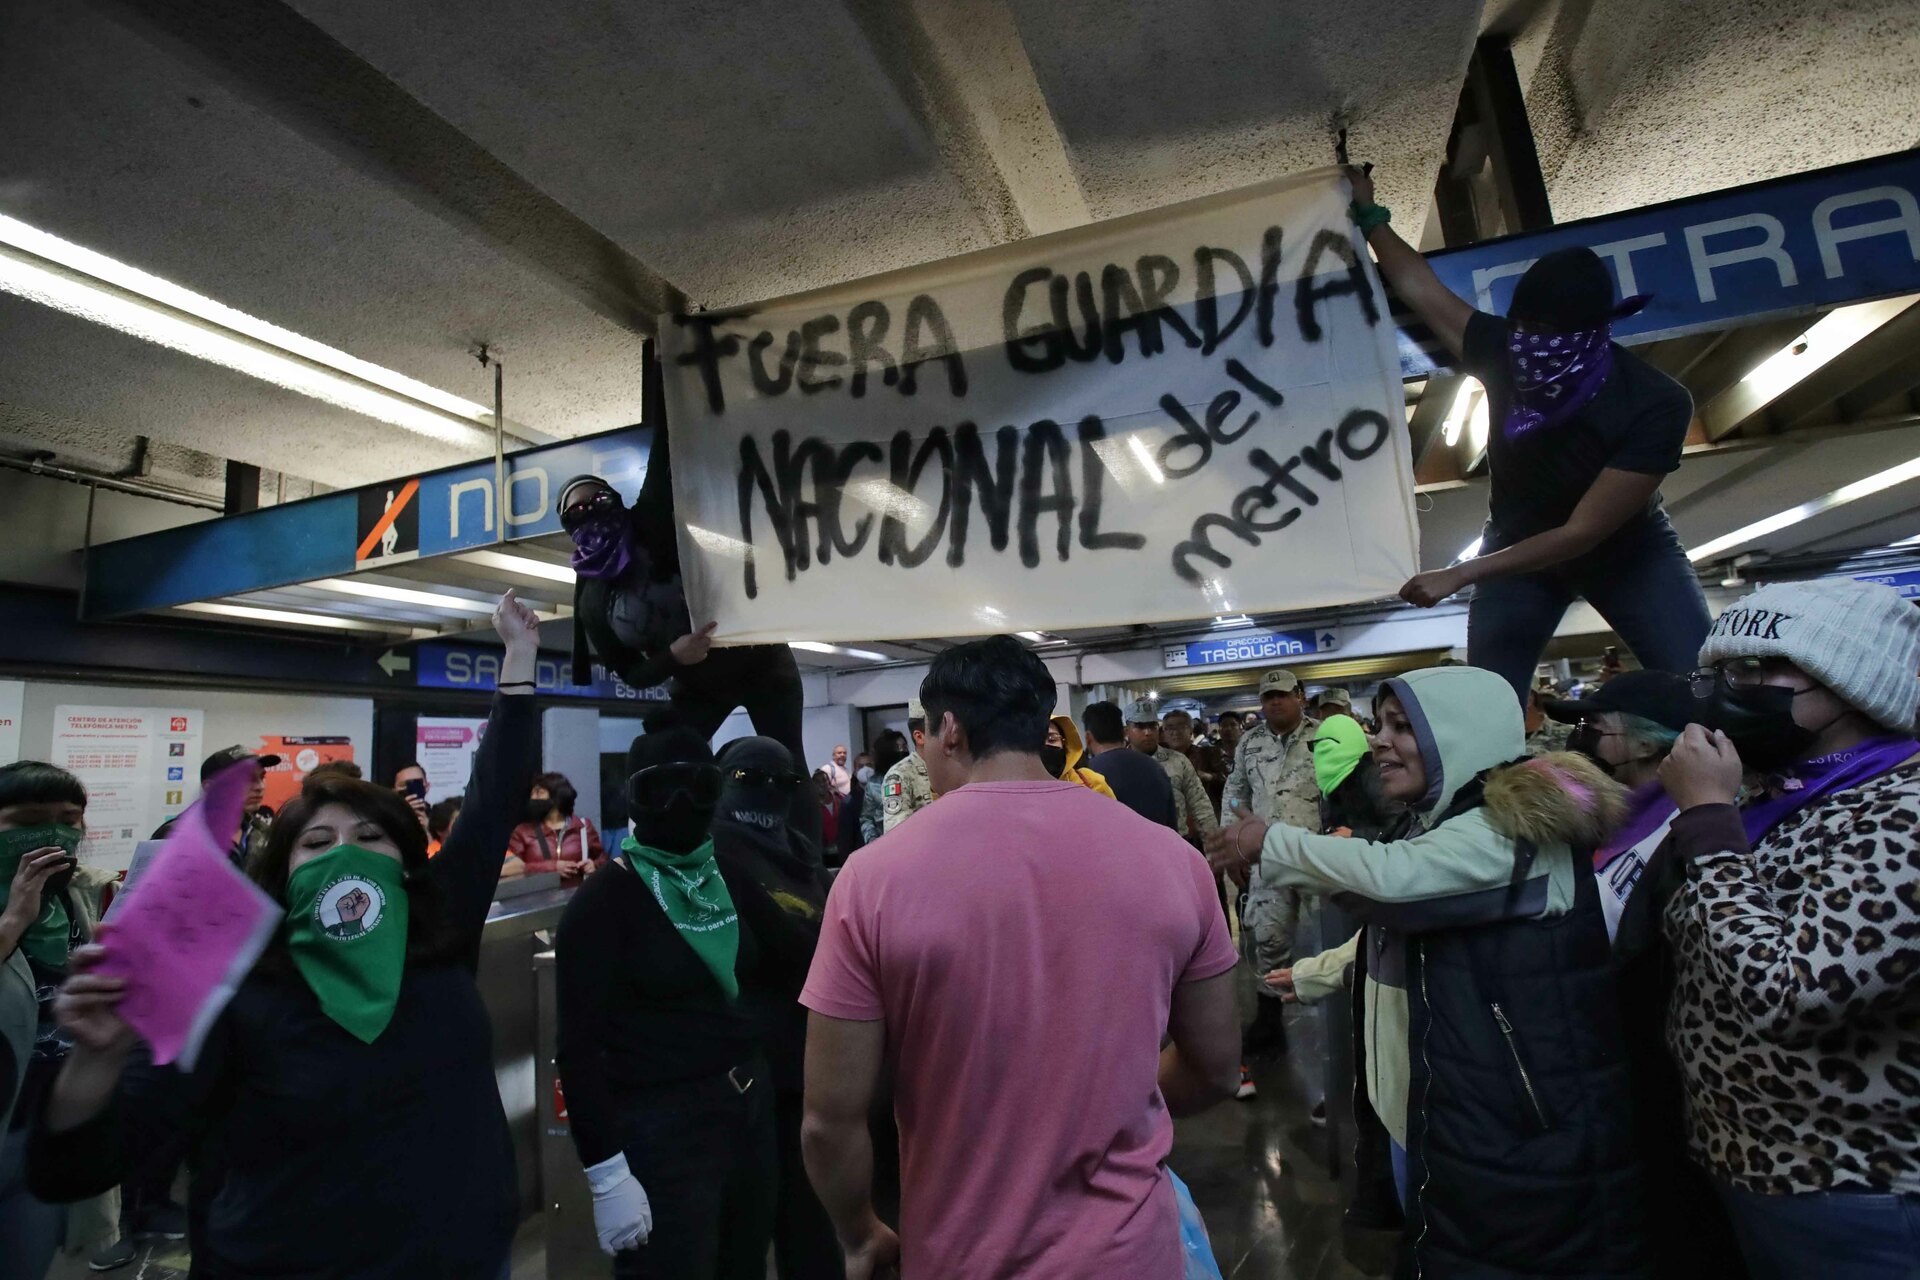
(1338, 745)
(47, 939)
(346, 930)
(689, 889)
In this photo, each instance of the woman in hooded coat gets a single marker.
(1492, 1037)
(1067, 754)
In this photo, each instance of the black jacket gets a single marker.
(1521, 1154)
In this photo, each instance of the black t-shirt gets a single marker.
(1138, 782)
(1637, 421)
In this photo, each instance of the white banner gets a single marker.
(1183, 413)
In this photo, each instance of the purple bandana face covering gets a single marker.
(603, 545)
(1809, 780)
(1554, 374)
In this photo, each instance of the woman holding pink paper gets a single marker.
(343, 1110)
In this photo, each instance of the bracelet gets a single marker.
(1369, 216)
(516, 684)
(1240, 853)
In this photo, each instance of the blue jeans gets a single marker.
(1398, 1155)
(1640, 581)
(1836, 1235)
(31, 1230)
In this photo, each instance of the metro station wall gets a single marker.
(230, 716)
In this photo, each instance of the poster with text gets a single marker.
(444, 746)
(13, 701)
(299, 756)
(1187, 412)
(141, 767)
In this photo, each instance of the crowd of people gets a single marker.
(1634, 972)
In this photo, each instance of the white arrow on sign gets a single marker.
(391, 662)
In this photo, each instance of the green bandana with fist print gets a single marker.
(347, 932)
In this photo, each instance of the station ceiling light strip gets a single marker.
(56, 273)
(401, 595)
(816, 646)
(1863, 488)
(287, 617)
(507, 562)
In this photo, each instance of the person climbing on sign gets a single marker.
(630, 603)
(1582, 431)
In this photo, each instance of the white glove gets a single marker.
(621, 1215)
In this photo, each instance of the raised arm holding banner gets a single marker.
(1191, 411)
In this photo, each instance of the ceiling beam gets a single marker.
(301, 76)
(1757, 407)
(962, 69)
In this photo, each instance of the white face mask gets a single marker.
(864, 774)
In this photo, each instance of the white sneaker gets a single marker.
(1246, 1089)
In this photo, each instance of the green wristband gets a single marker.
(1369, 216)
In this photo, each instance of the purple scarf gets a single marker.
(1554, 375)
(603, 547)
(1647, 807)
(1809, 780)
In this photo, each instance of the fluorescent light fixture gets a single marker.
(816, 646)
(1906, 542)
(1863, 488)
(1469, 400)
(1232, 620)
(254, 614)
(125, 298)
(1469, 551)
(402, 595)
(1039, 638)
(507, 562)
(1826, 338)
(1144, 456)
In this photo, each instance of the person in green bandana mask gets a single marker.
(660, 960)
(42, 819)
(343, 1116)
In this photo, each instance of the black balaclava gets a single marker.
(684, 824)
(756, 817)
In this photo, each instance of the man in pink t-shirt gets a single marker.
(1018, 951)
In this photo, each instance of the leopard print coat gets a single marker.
(1796, 1011)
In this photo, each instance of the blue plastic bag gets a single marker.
(1195, 1248)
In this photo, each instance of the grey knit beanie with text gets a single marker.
(1860, 639)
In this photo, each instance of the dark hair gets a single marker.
(889, 749)
(430, 936)
(336, 769)
(1184, 715)
(563, 793)
(997, 690)
(1104, 722)
(440, 817)
(37, 782)
(411, 764)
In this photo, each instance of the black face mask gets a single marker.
(537, 811)
(1759, 720)
(1055, 760)
(681, 826)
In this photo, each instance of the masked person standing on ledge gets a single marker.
(347, 1090)
(1581, 432)
(630, 604)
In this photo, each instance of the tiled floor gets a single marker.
(1258, 1171)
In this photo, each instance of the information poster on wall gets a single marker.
(444, 746)
(13, 698)
(141, 766)
(299, 756)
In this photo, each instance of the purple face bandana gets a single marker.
(1809, 780)
(603, 545)
(1554, 375)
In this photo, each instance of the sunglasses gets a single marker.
(771, 781)
(597, 501)
(660, 785)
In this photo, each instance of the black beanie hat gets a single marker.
(669, 744)
(1570, 289)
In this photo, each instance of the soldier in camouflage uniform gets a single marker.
(905, 790)
(1192, 810)
(1273, 779)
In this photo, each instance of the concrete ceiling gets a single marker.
(405, 182)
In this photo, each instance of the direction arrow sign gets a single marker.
(1245, 648)
(391, 662)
